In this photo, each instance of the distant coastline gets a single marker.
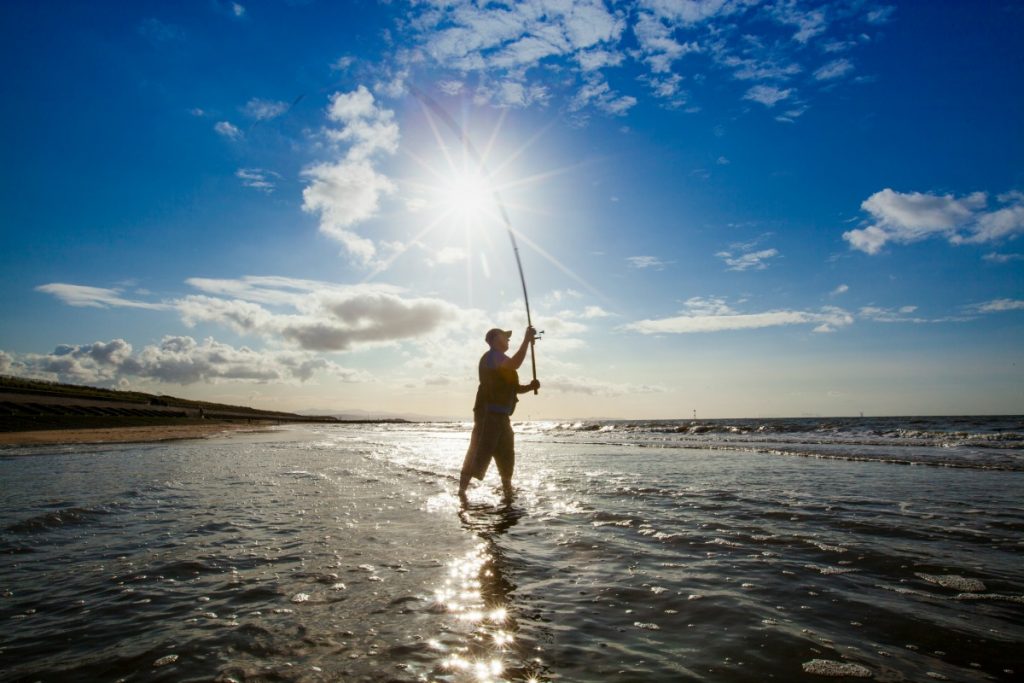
(50, 412)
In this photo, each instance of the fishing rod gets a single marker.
(468, 146)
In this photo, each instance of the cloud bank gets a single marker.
(175, 360)
(505, 53)
(308, 315)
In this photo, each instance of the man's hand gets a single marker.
(530, 335)
(534, 385)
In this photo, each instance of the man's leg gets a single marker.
(507, 462)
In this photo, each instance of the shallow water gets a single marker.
(340, 553)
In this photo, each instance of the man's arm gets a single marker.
(526, 388)
(517, 359)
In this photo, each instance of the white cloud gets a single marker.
(755, 260)
(641, 262)
(714, 315)
(95, 297)
(575, 384)
(904, 218)
(451, 87)
(264, 110)
(597, 93)
(317, 316)
(768, 95)
(903, 314)
(747, 69)
(656, 40)
(1003, 258)
(791, 115)
(1000, 306)
(257, 178)
(810, 23)
(449, 255)
(567, 46)
(595, 312)
(841, 289)
(593, 60)
(228, 130)
(348, 191)
(365, 126)
(342, 63)
(237, 9)
(834, 69)
(881, 15)
(306, 314)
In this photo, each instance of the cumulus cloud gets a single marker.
(903, 218)
(175, 360)
(714, 315)
(841, 289)
(228, 130)
(348, 191)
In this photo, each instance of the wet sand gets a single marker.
(123, 434)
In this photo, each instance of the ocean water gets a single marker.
(745, 550)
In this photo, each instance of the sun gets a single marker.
(465, 195)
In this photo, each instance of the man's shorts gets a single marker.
(492, 438)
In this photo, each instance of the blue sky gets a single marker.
(741, 208)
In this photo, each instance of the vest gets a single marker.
(497, 392)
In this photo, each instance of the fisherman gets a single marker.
(496, 399)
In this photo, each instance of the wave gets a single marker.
(997, 429)
(57, 519)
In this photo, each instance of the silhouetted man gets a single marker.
(496, 399)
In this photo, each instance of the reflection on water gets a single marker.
(476, 591)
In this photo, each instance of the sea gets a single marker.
(812, 549)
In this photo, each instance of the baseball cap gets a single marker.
(492, 333)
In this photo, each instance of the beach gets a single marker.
(120, 434)
(655, 552)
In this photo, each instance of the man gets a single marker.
(496, 399)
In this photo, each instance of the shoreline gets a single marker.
(98, 435)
